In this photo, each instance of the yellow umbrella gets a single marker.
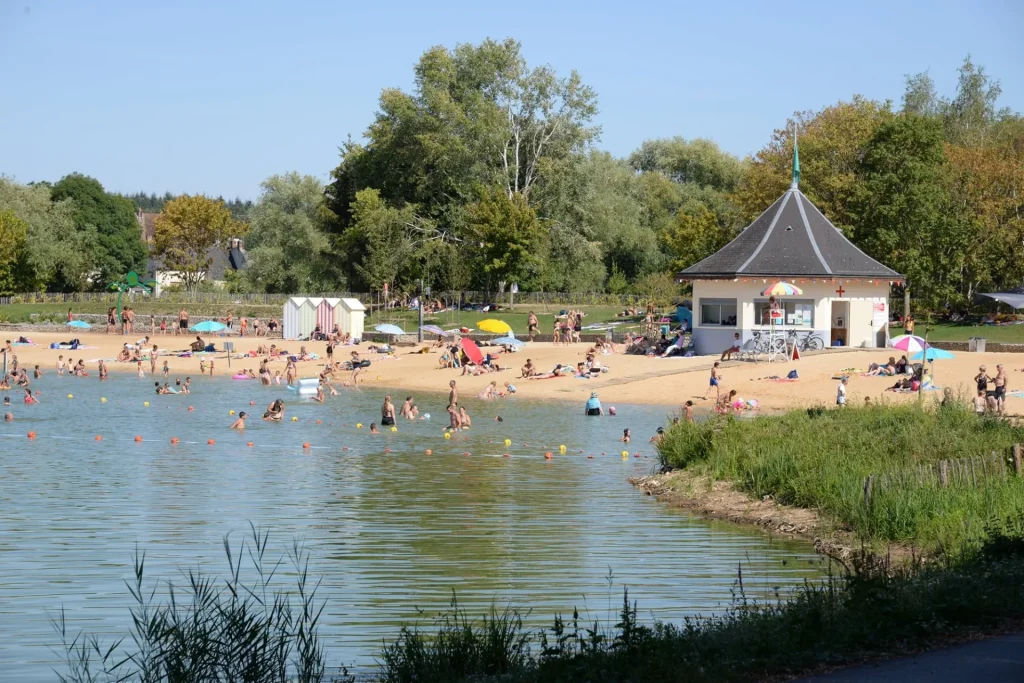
(494, 326)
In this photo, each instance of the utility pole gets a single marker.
(419, 330)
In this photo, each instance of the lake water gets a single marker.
(390, 533)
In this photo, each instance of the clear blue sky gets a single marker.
(215, 96)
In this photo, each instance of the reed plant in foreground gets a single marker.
(819, 458)
(241, 627)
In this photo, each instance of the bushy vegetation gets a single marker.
(868, 608)
(820, 458)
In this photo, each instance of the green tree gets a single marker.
(700, 162)
(288, 250)
(13, 234)
(693, 236)
(377, 246)
(506, 235)
(901, 206)
(187, 230)
(118, 246)
(56, 255)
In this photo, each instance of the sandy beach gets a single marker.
(631, 379)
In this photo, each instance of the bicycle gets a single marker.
(768, 344)
(809, 342)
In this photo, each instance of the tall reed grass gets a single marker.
(819, 458)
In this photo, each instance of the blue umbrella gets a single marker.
(508, 341)
(433, 329)
(80, 324)
(932, 353)
(388, 328)
(209, 326)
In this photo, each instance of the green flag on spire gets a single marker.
(796, 162)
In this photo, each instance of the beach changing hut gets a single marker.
(845, 299)
(300, 316)
(326, 314)
(350, 316)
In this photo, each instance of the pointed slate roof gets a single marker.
(791, 239)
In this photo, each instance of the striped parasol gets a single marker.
(782, 289)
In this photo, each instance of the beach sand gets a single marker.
(631, 379)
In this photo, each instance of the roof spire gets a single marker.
(796, 163)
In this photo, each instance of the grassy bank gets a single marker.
(238, 630)
(820, 459)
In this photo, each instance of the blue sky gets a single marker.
(215, 96)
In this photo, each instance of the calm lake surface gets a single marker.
(390, 533)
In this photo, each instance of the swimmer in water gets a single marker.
(656, 439)
(688, 411)
(373, 428)
(8, 417)
(37, 373)
(29, 398)
(626, 436)
(186, 387)
(464, 418)
(407, 408)
(319, 398)
(276, 409)
(240, 422)
(267, 418)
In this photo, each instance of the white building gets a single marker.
(845, 296)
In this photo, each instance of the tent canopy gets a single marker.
(1013, 299)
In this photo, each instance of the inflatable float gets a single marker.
(306, 387)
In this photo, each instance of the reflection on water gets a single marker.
(390, 533)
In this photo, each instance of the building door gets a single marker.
(840, 332)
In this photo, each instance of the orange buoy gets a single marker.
(506, 456)
(174, 439)
(387, 450)
(429, 452)
(305, 445)
(191, 409)
(250, 444)
(252, 403)
(319, 422)
(547, 456)
(344, 448)
(210, 441)
(138, 438)
(466, 454)
(636, 455)
(99, 438)
(31, 435)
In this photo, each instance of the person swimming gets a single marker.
(626, 436)
(373, 428)
(240, 422)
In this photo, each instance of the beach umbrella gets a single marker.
(494, 326)
(508, 341)
(81, 324)
(932, 353)
(433, 329)
(388, 328)
(472, 351)
(782, 289)
(909, 343)
(209, 326)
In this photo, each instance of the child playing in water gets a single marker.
(240, 422)
(167, 370)
(626, 436)
(141, 373)
(60, 365)
(277, 377)
(37, 373)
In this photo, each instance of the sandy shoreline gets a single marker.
(631, 379)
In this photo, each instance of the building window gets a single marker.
(718, 312)
(796, 312)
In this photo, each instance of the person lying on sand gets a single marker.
(557, 371)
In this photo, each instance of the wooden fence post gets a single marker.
(944, 473)
(869, 484)
(1017, 463)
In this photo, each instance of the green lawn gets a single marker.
(408, 320)
(1009, 334)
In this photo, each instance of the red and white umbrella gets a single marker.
(909, 343)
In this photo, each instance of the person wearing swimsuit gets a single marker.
(387, 413)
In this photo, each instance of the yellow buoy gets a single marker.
(294, 419)
(71, 396)
(394, 429)
(359, 425)
(625, 454)
(146, 404)
(508, 442)
(231, 412)
(561, 449)
(447, 435)
(103, 399)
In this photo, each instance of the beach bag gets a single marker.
(792, 375)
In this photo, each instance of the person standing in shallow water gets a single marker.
(387, 413)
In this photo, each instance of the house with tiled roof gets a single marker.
(222, 259)
(844, 297)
